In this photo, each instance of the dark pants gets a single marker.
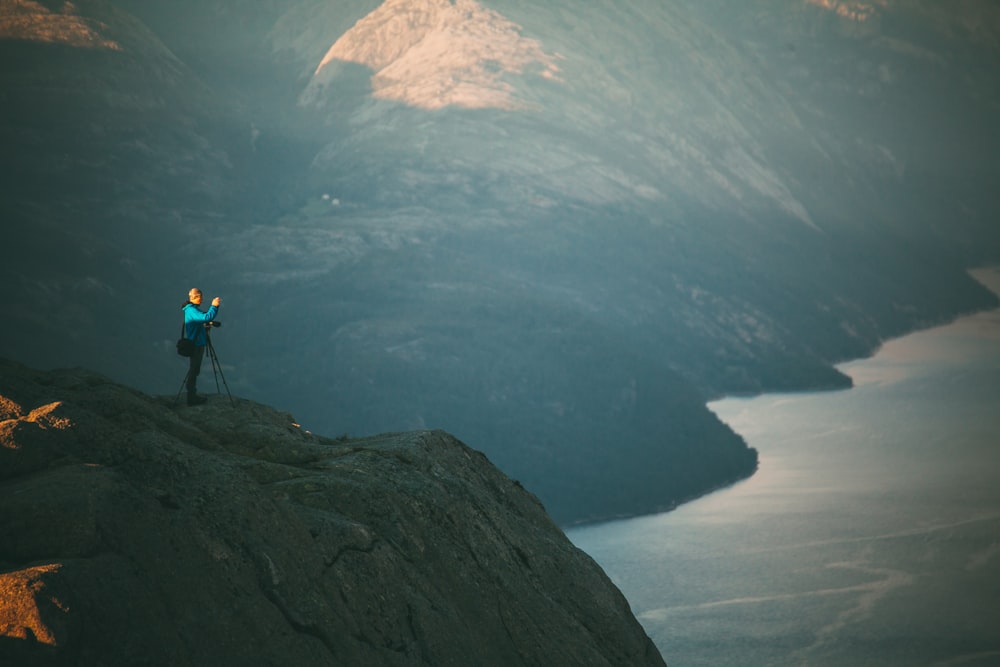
(195, 368)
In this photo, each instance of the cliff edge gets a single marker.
(135, 532)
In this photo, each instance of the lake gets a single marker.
(870, 534)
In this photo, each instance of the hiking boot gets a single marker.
(194, 399)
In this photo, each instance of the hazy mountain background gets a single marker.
(553, 230)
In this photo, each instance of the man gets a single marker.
(195, 323)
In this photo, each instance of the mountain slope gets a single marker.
(554, 230)
(136, 533)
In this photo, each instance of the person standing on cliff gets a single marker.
(195, 322)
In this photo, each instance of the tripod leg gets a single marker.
(183, 382)
(215, 365)
(217, 368)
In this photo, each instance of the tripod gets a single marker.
(216, 369)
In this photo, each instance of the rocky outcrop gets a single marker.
(135, 532)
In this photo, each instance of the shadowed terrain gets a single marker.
(139, 533)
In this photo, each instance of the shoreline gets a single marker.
(988, 276)
(868, 505)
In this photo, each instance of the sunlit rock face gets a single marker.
(139, 533)
(436, 53)
(859, 12)
(969, 19)
(88, 25)
(53, 23)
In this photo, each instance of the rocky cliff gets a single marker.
(135, 532)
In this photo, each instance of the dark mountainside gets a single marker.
(135, 533)
(552, 229)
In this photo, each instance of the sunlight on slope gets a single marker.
(436, 53)
(852, 10)
(28, 609)
(34, 22)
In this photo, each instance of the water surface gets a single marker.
(869, 536)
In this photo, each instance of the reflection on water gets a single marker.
(869, 536)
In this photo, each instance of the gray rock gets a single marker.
(135, 532)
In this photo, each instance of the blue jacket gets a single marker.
(194, 323)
